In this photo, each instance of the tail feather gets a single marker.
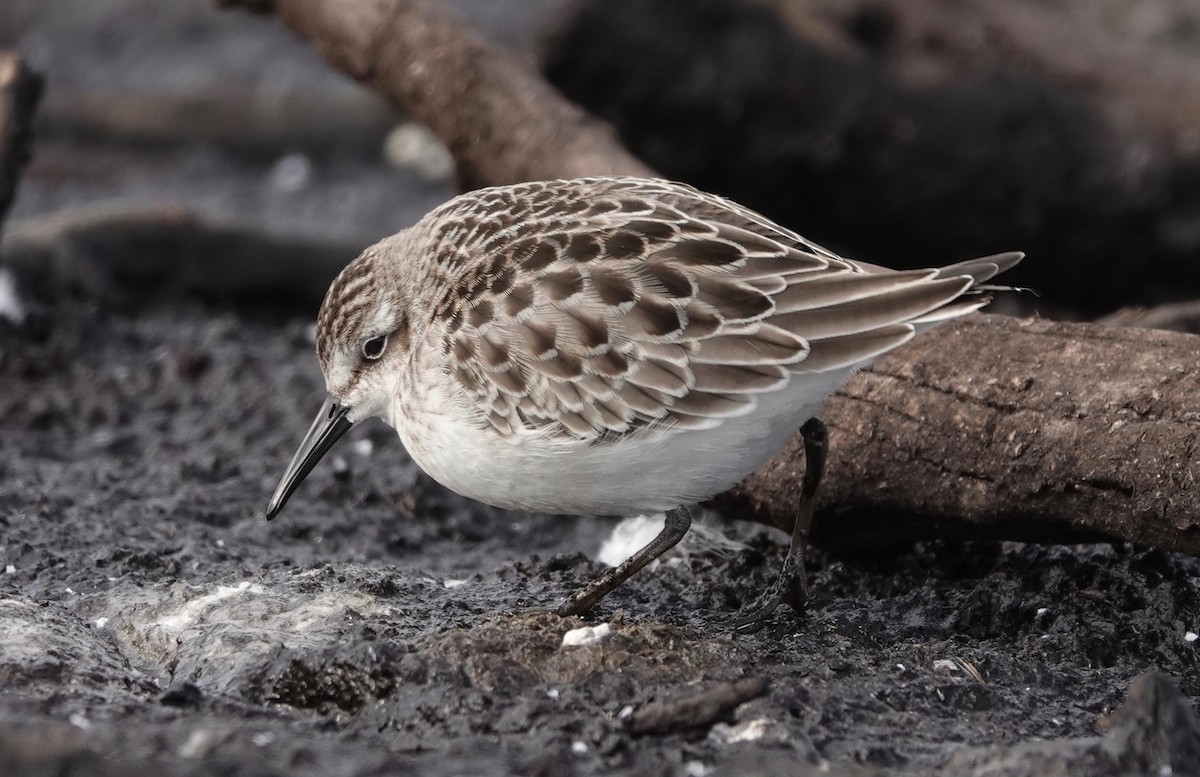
(984, 268)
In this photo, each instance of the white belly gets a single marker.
(636, 474)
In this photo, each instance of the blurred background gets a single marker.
(905, 133)
(150, 105)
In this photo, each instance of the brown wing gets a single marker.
(633, 303)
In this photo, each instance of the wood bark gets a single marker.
(502, 122)
(993, 427)
(20, 90)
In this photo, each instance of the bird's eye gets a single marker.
(372, 349)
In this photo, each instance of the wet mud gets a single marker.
(151, 616)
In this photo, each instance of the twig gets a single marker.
(694, 715)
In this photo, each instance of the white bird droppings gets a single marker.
(587, 635)
(750, 731)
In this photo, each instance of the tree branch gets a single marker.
(502, 122)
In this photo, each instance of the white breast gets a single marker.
(639, 473)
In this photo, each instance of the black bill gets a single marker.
(330, 424)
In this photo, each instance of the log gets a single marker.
(20, 90)
(501, 121)
(993, 427)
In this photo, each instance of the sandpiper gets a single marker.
(610, 346)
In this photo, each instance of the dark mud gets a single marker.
(152, 617)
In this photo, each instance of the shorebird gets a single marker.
(611, 346)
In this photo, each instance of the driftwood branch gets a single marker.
(20, 90)
(502, 122)
(999, 428)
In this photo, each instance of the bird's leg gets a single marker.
(792, 583)
(677, 523)
(816, 450)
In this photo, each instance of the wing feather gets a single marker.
(635, 304)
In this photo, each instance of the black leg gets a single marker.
(677, 524)
(792, 584)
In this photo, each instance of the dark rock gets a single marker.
(1155, 732)
(182, 695)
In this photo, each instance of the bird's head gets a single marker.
(363, 340)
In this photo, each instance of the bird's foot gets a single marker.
(788, 588)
